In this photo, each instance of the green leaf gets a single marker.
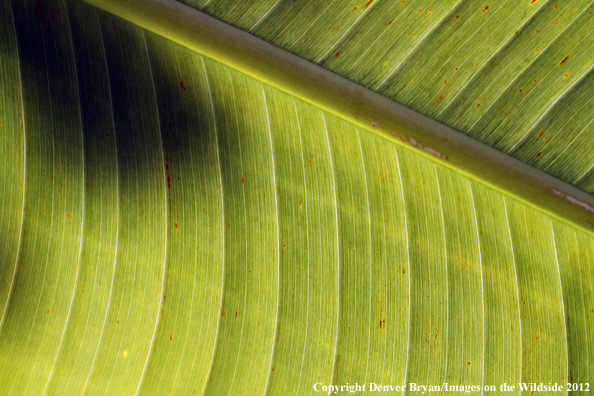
(185, 228)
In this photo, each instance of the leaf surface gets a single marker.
(187, 229)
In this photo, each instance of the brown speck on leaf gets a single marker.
(118, 322)
(457, 16)
(228, 226)
(242, 180)
(389, 23)
(171, 336)
(209, 230)
(222, 313)
(430, 12)
(539, 154)
(356, 7)
(175, 224)
(300, 205)
(468, 363)
(533, 1)
(370, 2)
(309, 162)
(486, 8)
(48, 311)
(336, 55)
(168, 182)
(445, 81)
(181, 84)
(478, 105)
(564, 60)
(566, 75)
(69, 214)
(235, 313)
(403, 270)
(541, 133)
(420, 10)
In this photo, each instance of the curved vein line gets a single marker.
(408, 266)
(193, 189)
(438, 23)
(183, 248)
(16, 259)
(337, 248)
(563, 95)
(583, 312)
(307, 239)
(447, 287)
(519, 74)
(216, 133)
(115, 259)
(353, 25)
(579, 179)
(478, 238)
(482, 68)
(568, 145)
(370, 47)
(272, 8)
(277, 243)
(511, 242)
(245, 222)
(562, 299)
(370, 253)
(80, 248)
(424, 83)
(51, 225)
(157, 320)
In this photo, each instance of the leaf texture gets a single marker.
(516, 75)
(183, 228)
